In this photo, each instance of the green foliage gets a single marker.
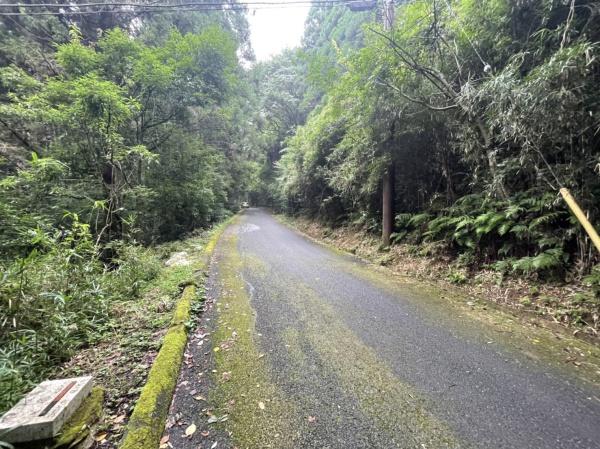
(593, 280)
(111, 138)
(133, 267)
(122, 118)
(520, 233)
(456, 277)
(50, 303)
(55, 299)
(481, 110)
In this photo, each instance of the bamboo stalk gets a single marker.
(581, 217)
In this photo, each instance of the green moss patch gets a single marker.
(261, 415)
(488, 321)
(79, 426)
(392, 405)
(122, 355)
(147, 421)
(536, 337)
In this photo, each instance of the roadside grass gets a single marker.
(124, 353)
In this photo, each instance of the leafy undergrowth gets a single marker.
(56, 298)
(573, 305)
(122, 358)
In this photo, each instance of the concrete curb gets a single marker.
(147, 421)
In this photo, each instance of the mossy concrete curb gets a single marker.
(147, 421)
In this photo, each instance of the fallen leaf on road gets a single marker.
(205, 433)
(214, 445)
(190, 430)
(200, 398)
(312, 419)
(261, 405)
(119, 419)
(164, 439)
(213, 419)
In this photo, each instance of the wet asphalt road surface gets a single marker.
(359, 362)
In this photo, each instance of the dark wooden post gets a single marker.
(387, 207)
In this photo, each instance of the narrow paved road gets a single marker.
(314, 349)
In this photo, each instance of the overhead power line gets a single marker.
(129, 7)
(164, 5)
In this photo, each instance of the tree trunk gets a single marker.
(388, 205)
(388, 177)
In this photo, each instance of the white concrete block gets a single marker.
(42, 413)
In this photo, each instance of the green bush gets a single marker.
(57, 299)
(593, 280)
(517, 235)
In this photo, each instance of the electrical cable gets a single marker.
(165, 5)
(138, 8)
(150, 11)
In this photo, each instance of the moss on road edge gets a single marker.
(147, 421)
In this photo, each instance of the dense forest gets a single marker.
(464, 119)
(478, 111)
(121, 131)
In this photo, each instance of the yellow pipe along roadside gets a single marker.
(589, 228)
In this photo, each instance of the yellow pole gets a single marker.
(581, 217)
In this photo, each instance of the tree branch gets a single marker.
(416, 100)
(18, 136)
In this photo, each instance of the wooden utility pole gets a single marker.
(388, 15)
(388, 182)
(387, 185)
(387, 206)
